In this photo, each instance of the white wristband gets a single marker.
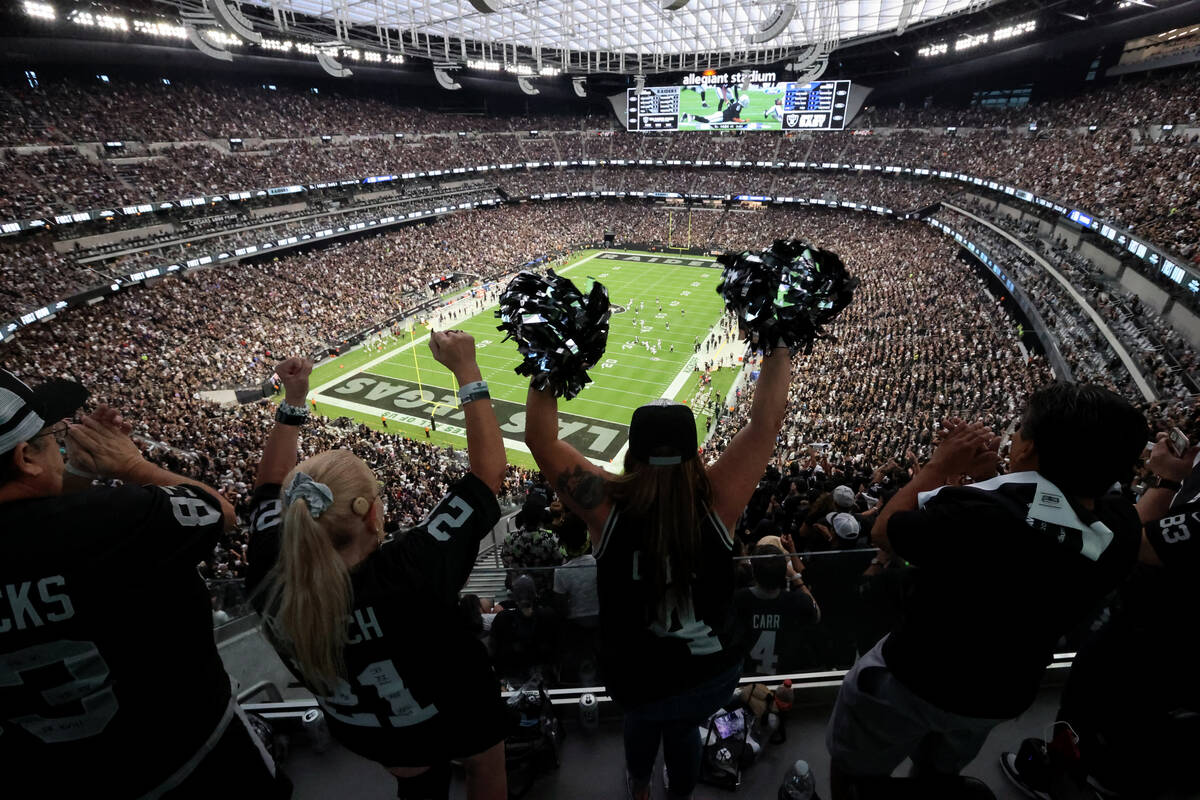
(473, 391)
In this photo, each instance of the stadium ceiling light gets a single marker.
(526, 86)
(485, 6)
(40, 10)
(230, 18)
(674, 5)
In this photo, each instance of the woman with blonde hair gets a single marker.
(665, 571)
(373, 628)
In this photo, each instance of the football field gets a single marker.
(758, 100)
(650, 354)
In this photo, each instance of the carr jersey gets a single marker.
(412, 666)
(778, 630)
(649, 649)
(104, 619)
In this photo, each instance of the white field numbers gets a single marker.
(88, 687)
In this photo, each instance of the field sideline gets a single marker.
(395, 384)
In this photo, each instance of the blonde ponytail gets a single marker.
(310, 596)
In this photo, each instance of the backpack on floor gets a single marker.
(728, 747)
(534, 740)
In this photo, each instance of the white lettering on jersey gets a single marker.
(454, 521)
(25, 614)
(362, 625)
(677, 619)
(64, 600)
(342, 696)
(1174, 529)
(389, 686)
(763, 653)
(88, 688)
(190, 512)
(767, 622)
(22, 609)
(267, 515)
(406, 710)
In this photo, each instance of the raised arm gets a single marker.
(968, 449)
(108, 451)
(1155, 503)
(279, 453)
(740, 467)
(578, 482)
(485, 447)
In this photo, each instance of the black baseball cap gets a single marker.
(663, 433)
(24, 412)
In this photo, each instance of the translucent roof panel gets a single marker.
(562, 31)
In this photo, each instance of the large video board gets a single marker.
(813, 106)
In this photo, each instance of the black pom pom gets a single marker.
(784, 296)
(560, 332)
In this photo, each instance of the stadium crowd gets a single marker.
(924, 342)
(1164, 356)
(1142, 178)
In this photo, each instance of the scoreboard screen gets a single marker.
(654, 109)
(812, 106)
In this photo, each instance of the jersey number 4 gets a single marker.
(763, 653)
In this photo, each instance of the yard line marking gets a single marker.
(415, 342)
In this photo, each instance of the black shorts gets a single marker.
(467, 723)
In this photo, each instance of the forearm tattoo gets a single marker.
(583, 486)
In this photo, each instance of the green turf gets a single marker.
(402, 380)
(756, 103)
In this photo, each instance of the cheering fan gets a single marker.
(784, 296)
(560, 332)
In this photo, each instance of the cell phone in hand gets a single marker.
(1177, 442)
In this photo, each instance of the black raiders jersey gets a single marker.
(1176, 538)
(778, 630)
(103, 619)
(682, 641)
(409, 656)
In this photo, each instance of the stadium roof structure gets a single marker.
(600, 36)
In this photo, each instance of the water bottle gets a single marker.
(785, 696)
(589, 713)
(799, 783)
